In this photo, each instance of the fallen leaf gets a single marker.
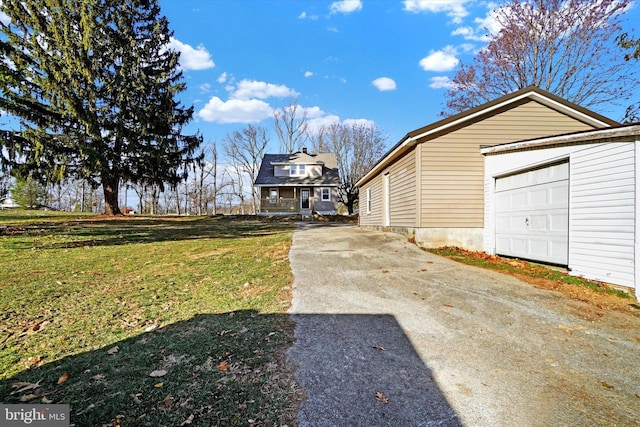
(158, 373)
(223, 366)
(448, 305)
(551, 362)
(605, 385)
(188, 421)
(150, 328)
(28, 397)
(378, 347)
(113, 350)
(24, 386)
(158, 385)
(63, 378)
(46, 401)
(32, 361)
(168, 401)
(98, 377)
(423, 270)
(381, 397)
(135, 397)
(385, 271)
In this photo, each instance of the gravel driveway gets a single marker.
(389, 335)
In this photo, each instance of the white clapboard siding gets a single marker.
(602, 213)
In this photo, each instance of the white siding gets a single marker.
(602, 219)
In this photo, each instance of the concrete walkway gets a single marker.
(390, 335)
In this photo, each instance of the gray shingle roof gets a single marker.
(330, 176)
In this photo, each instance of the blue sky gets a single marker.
(383, 61)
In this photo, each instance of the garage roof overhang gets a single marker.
(631, 131)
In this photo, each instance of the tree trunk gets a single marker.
(349, 206)
(110, 187)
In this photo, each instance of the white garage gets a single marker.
(570, 200)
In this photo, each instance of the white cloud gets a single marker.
(314, 112)
(245, 103)
(359, 122)
(235, 111)
(483, 29)
(316, 119)
(304, 15)
(314, 125)
(441, 82)
(490, 22)
(308, 73)
(440, 60)
(453, 8)
(384, 84)
(248, 89)
(205, 87)
(4, 18)
(222, 78)
(190, 58)
(345, 6)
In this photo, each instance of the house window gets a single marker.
(273, 194)
(368, 200)
(297, 170)
(325, 194)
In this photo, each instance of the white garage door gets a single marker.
(532, 214)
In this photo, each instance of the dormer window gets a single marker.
(297, 170)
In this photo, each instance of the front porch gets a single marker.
(288, 200)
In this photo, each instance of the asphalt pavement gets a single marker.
(390, 335)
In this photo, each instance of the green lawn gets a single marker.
(147, 320)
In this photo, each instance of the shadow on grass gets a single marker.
(103, 231)
(223, 369)
(229, 369)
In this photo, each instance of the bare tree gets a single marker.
(357, 147)
(291, 124)
(561, 46)
(214, 176)
(245, 149)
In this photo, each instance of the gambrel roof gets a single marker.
(329, 177)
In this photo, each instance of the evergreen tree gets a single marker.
(29, 193)
(98, 98)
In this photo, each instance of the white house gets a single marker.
(8, 203)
